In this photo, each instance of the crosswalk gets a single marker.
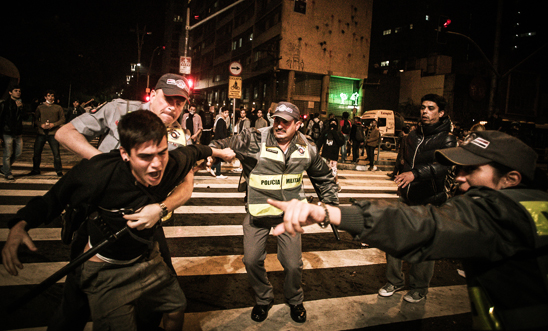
(340, 279)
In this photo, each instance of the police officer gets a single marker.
(274, 159)
(497, 226)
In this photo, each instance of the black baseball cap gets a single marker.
(287, 111)
(173, 85)
(483, 147)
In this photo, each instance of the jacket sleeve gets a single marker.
(432, 170)
(239, 143)
(482, 224)
(374, 136)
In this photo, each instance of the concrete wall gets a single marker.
(413, 86)
(332, 38)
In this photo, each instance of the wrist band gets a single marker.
(326, 220)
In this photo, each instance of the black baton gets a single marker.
(66, 270)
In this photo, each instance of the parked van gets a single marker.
(389, 123)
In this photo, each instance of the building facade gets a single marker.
(314, 54)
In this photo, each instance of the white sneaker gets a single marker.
(366, 167)
(221, 177)
(388, 290)
(237, 170)
(374, 168)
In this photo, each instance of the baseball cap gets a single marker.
(483, 147)
(287, 111)
(173, 85)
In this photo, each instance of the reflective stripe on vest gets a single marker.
(539, 212)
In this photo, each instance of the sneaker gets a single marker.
(10, 177)
(366, 167)
(388, 290)
(33, 172)
(60, 174)
(237, 170)
(414, 296)
(221, 177)
(374, 168)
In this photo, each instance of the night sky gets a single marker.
(86, 46)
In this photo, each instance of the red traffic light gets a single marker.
(190, 82)
(447, 22)
(147, 98)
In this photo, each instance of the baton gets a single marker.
(66, 270)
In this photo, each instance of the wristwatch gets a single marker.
(326, 220)
(164, 211)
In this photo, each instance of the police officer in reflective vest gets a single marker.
(498, 227)
(274, 160)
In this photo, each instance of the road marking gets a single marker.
(34, 273)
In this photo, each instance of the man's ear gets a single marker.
(124, 154)
(152, 95)
(513, 178)
(441, 112)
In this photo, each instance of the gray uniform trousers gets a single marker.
(289, 255)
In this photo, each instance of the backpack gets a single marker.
(316, 131)
(346, 127)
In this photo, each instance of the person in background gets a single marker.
(221, 132)
(330, 143)
(371, 143)
(345, 126)
(11, 129)
(260, 122)
(208, 119)
(421, 181)
(193, 122)
(48, 117)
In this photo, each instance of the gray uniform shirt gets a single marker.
(104, 122)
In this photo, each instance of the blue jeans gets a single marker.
(9, 157)
(39, 147)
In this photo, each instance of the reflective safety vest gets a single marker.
(277, 175)
(486, 315)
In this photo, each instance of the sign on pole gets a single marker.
(235, 68)
(185, 63)
(234, 87)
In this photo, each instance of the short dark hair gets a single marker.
(438, 99)
(14, 87)
(49, 92)
(345, 115)
(138, 127)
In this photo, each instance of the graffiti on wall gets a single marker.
(294, 60)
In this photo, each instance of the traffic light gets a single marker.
(443, 26)
(190, 81)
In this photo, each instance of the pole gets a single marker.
(234, 115)
(495, 76)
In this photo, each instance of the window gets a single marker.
(251, 37)
(386, 32)
(427, 18)
(300, 6)
(385, 63)
(234, 45)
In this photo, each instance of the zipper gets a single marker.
(414, 156)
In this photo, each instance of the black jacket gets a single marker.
(490, 230)
(418, 155)
(11, 118)
(107, 181)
